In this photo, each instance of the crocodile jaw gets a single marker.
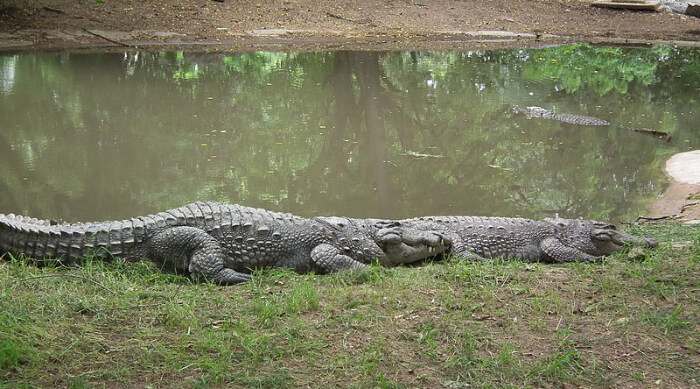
(406, 245)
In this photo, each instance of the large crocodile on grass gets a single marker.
(224, 242)
(539, 112)
(549, 240)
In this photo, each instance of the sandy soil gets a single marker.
(312, 24)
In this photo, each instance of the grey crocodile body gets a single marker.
(223, 242)
(539, 112)
(549, 240)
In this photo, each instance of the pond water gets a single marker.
(362, 134)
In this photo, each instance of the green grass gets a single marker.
(629, 321)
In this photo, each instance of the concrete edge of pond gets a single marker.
(685, 167)
(296, 40)
(681, 200)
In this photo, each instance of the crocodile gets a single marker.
(554, 240)
(223, 242)
(539, 112)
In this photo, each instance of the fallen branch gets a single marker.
(107, 39)
(648, 219)
(54, 10)
(365, 21)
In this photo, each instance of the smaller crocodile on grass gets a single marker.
(550, 240)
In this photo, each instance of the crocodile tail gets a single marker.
(41, 239)
(23, 235)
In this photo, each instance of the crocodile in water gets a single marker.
(539, 112)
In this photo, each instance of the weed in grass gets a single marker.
(505, 356)
(382, 382)
(563, 366)
(303, 296)
(178, 316)
(373, 354)
(275, 380)
(296, 341)
(641, 377)
(670, 322)
(465, 347)
(354, 304)
(257, 348)
(428, 332)
(10, 354)
(78, 383)
(374, 274)
(427, 337)
(267, 310)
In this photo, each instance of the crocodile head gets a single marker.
(596, 238)
(398, 244)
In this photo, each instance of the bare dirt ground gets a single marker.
(313, 24)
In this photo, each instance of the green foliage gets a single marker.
(602, 69)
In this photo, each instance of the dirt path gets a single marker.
(315, 24)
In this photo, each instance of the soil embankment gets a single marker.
(313, 24)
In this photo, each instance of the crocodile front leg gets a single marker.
(466, 254)
(329, 259)
(556, 251)
(190, 249)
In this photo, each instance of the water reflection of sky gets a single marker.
(8, 74)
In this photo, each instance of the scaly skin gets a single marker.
(539, 112)
(223, 242)
(549, 240)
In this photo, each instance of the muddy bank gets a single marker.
(319, 25)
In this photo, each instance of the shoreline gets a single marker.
(681, 199)
(300, 41)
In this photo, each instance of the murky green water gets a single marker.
(89, 137)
